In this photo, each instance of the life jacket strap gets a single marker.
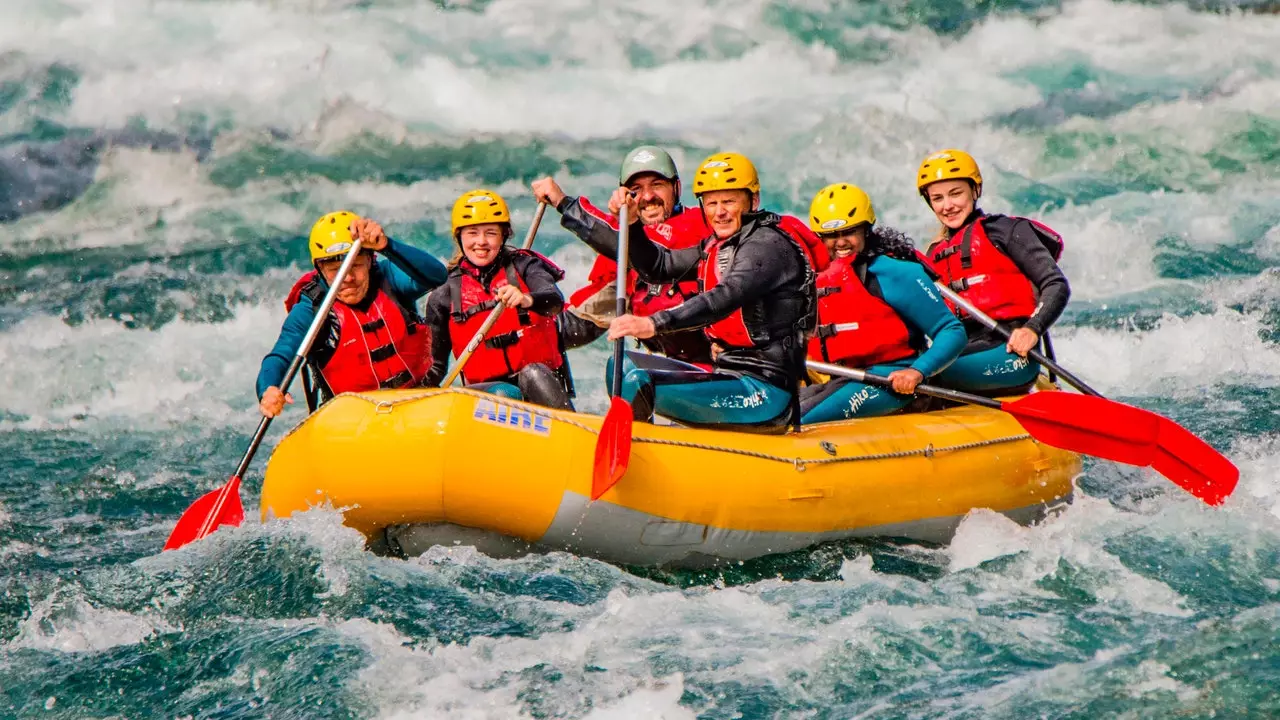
(383, 353)
(396, 381)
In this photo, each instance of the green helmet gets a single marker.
(647, 158)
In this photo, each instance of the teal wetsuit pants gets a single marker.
(843, 399)
(987, 370)
(691, 395)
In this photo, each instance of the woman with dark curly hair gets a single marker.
(877, 311)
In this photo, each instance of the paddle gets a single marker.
(1180, 455)
(496, 313)
(613, 446)
(1035, 354)
(1094, 426)
(222, 506)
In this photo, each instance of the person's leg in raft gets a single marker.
(842, 399)
(577, 331)
(693, 396)
(542, 386)
(988, 370)
(499, 388)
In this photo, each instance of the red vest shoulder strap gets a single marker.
(1050, 238)
(295, 294)
(818, 256)
(555, 269)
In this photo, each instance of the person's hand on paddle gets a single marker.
(624, 195)
(548, 191)
(631, 326)
(1022, 340)
(273, 402)
(906, 380)
(370, 234)
(511, 296)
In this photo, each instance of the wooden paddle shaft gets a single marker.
(1035, 354)
(496, 313)
(863, 376)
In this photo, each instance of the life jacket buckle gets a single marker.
(505, 340)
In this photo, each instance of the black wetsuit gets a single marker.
(766, 275)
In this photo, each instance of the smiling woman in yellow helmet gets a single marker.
(373, 337)
(756, 270)
(522, 351)
(877, 311)
(1005, 266)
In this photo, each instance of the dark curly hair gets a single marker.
(889, 241)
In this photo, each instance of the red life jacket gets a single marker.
(971, 265)
(718, 256)
(854, 326)
(684, 230)
(383, 346)
(518, 339)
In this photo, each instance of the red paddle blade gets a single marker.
(1089, 425)
(214, 509)
(613, 448)
(1193, 464)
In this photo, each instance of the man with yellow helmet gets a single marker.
(523, 348)
(373, 337)
(1005, 266)
(650, 174)
(877, 311)
(756, 270)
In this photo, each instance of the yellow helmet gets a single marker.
(726, 171)
(949, 165)
(840, 207)
(331, 235)
(477, 207)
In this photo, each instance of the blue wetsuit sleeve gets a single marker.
(410, 272)
(910, 292)
(276, 363)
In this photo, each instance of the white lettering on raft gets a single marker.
(511, 417)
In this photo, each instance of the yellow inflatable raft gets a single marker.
(424, 467)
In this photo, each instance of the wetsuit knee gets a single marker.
(845, 399)
(542, 385)
(988, 370)
(501, 389)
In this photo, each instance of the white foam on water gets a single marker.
(1077, 535)
(102, 372)
(283, 64)
(1258, 457)
(74, 625)
(1178, 357)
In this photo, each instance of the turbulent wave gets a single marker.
(159, 163)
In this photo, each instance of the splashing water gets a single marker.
(160, 161)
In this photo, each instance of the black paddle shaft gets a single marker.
(937, 392)
(620, 306)
(863, 376)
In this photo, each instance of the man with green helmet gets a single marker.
(650, 174)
